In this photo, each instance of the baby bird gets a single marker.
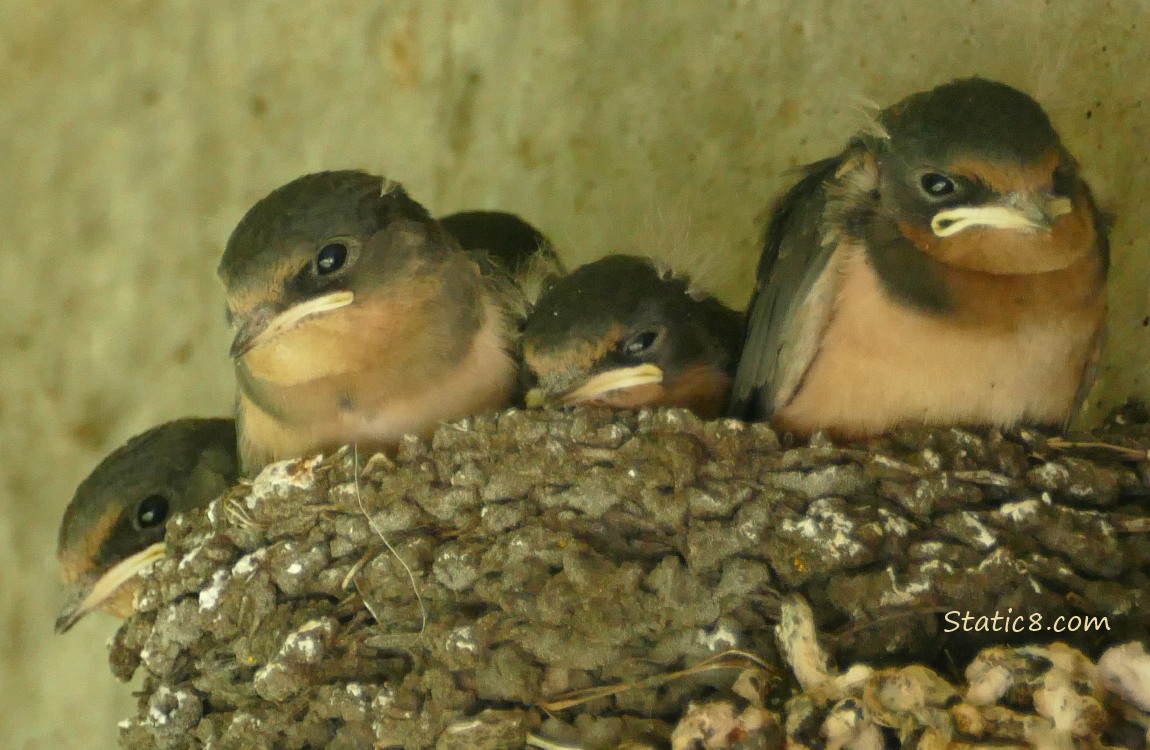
(949, 267)
(623, 332)
(360, 319)
(114, 526)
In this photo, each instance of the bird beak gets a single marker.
(1019, 211)
(597, 385)
(89, 595)
(263, 325)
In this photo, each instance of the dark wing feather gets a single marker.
(504, 237)
(795, 254)
(508, 249)
(1102, 224)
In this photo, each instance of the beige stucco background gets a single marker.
(134, 134)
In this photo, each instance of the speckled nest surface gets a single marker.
(437, 598)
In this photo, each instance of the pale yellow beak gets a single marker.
(253, 335)
(1013, 215)
(604, 382)
(107, 585)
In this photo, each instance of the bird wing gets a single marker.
(794, 297)
(514, 256)
(1102, 224)
(509, 241)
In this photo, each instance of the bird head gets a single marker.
(623, 332)
(332, 252)
(114, 527)
(975, 175)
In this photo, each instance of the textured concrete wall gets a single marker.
(133, 135)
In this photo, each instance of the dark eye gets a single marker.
(330, 258)
(639, 343)
(153, 511)
(936, 185)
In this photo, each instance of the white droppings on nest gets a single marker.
(462, 638)
(1047, 499)
(828, 526)
(1000, 557)
(1051, 473)
(295, 569)
(210, 596)
(719, 639)
(895, 596)
(1125, 671)
(893, 463)
(984, 538)
(189, 557)
(632, 473)
(304, 642)
(140, 600)
(1080, 491)
(932, 459)
(383, 699)
(296, 473)
(305, 645)
(157, 716)
(1020, 511)
(247, 564)
(931, 566)
(733, 425)
(354, 689)
(894, 524)
(931, 548)
(463, 727)
(749, 530)
(265, 672)
(342, 492)
(124, 724)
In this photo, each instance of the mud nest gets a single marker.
(444, 597)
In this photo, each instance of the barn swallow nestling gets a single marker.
(948, 268)
(114, 526)
(624, 333)
(360, 319)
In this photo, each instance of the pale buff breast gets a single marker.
(483, 380)
(880, 363)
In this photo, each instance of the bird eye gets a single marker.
(153, 511)
(936, 185)
(640, 343)
(330, 258)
